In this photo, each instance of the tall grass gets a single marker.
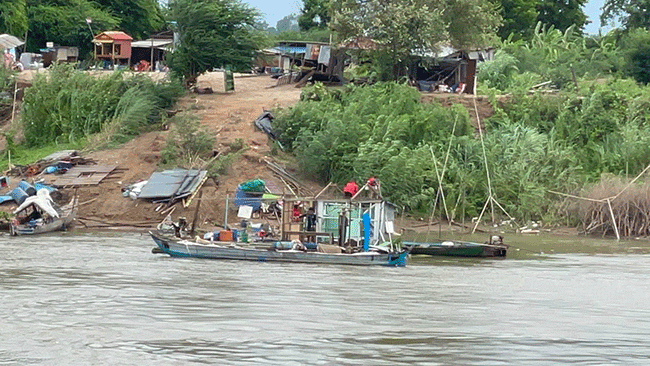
(67, 105)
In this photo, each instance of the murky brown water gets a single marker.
(104, 299)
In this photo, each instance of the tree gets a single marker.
(288, 23)
(629, 13)
(136, 17)
(213, 33)
(519, 18)
(637, 54)
(404, 27)
(315, 14)
(562, 14)
(13, 17)
(64, 22)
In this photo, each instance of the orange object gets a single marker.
(225, 235)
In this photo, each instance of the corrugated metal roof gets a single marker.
(156, 43)
(9, 41)
(170, 184)
(116, 35)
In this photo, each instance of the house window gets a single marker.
(98, 49)
(118, 49)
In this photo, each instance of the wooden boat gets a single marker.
(39, 214)
(494, 248)
(273, 252)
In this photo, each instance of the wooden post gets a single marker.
(225, 215)
(611, 212)
(196, 213)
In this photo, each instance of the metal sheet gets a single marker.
(172, 183)
(156, 43)
(9, 41)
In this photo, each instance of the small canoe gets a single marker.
(273, 253)
(457, 249)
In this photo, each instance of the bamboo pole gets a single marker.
(487, 169)
(196, 213)
(482, 212)
(611, 212)
(442, 193)
(323, 190)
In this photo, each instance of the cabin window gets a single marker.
(463, 72)
(106, 48)
(98, 49)
(118, 49)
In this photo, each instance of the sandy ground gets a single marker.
(228, 116)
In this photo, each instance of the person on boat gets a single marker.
(373, 186)
(310, 223)
(350, 189)
(296, 212)
(310, 219)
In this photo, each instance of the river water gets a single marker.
(105, 299)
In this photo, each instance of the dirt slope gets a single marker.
(228, 116)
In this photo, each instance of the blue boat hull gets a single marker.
(185, 248)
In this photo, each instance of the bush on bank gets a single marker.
(533, 145)
(67, 105)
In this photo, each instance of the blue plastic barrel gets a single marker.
(19, 195)
(28, 188)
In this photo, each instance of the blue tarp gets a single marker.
(247, 199)
(291, 50)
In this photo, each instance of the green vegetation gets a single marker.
(213, 34)
(535, 144)
(66, 105)
(399, 27)
(191, 147)
(13, 16)
(187, 143)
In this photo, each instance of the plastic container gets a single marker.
(225, 235)
(19, 195)
(28, 188)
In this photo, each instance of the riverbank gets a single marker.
(229, 118)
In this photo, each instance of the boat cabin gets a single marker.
(348, 223)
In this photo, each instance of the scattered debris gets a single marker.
(263, 122)
(286, 176)
(81, 176)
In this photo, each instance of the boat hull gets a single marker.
(60, 224)
(184, 248)
(456, 249)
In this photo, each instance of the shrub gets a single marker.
(67, 105)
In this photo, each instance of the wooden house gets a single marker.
(114, 47)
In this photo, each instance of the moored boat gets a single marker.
(39, 214)
(273, 252)
(452, 248)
